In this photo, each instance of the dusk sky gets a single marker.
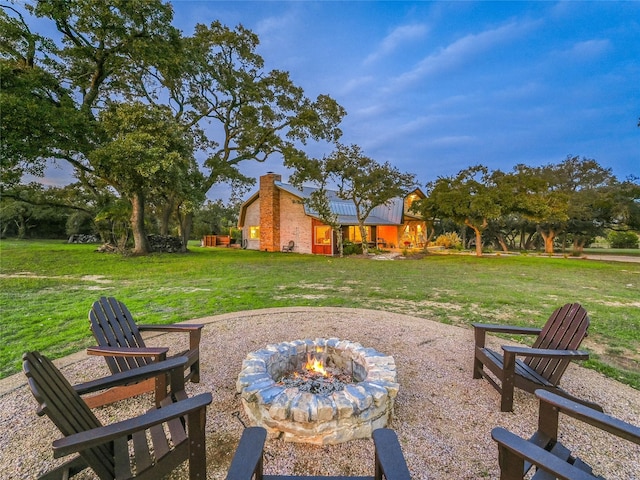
(435, 87)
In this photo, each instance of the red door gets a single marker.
(322, 238)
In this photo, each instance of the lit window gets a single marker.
(254, 233)
(323, 235)
(355, 235)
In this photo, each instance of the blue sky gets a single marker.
(435, 87)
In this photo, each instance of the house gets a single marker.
(276, 215)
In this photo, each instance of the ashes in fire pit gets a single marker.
(322, 391)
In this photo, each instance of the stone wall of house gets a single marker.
(281, 218)
(294, 224)
(251, 219)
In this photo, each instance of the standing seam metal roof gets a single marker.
(388, 214)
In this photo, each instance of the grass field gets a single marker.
(49, 286)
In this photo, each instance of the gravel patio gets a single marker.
(443, 417)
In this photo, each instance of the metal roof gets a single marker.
(391, 213)
(388, 214)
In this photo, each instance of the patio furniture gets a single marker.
(248, 459)
(120, 342)
(551, 458)
(543, 364)
(288, 248)
(177, 430)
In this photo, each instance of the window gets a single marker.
(254, 232)
(355, 236)
(323, 235)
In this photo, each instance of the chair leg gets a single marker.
(477, 368)
(195, 372)
(480, 338)
(197, 445)
(508, 382)
(511, 465)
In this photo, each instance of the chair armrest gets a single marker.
(389, 456)
(490, 327)
(194, 330)
(592, 417)
(133, 376)
(171, 327)
(158, 352)
(247, 460)
(546, 352)
(538, 456)
(97, 436)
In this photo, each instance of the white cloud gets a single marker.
(395, 39)
(276, 24)
(586, 50)
(451, 141)
(462, 51)
(354, 84)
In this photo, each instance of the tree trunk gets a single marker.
(140, 241)
(186, 223)
(339, 240)
(478, 231)
(431, 232)
(166, 216)
(528, 244)
(21, 223)
(578, 245)
(548, 238)
(502, 243)
(478, 241)
(363, 234)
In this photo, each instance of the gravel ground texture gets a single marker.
(443, 417)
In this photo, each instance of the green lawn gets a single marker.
(49, 286)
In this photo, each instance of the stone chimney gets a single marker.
(269, 213)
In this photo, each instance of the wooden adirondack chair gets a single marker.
(105, 449)
(248, 459)
(543, 364)
(543, 450)
(120, 342)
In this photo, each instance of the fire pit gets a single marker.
(281, 391)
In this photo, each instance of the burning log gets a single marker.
(316, 377)
(315, 382)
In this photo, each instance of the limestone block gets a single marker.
(245, 380)
(326, 408)
(343, 404)
(267, 396)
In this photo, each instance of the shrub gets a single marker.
(449, 240)
(623, 239)
(350, 248)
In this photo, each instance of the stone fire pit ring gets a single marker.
(296, 416)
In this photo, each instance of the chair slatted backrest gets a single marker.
(113, 326)
(565, 330)
(64, 407)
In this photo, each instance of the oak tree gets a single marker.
(366, 182)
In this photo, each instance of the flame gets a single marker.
(315, 365)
